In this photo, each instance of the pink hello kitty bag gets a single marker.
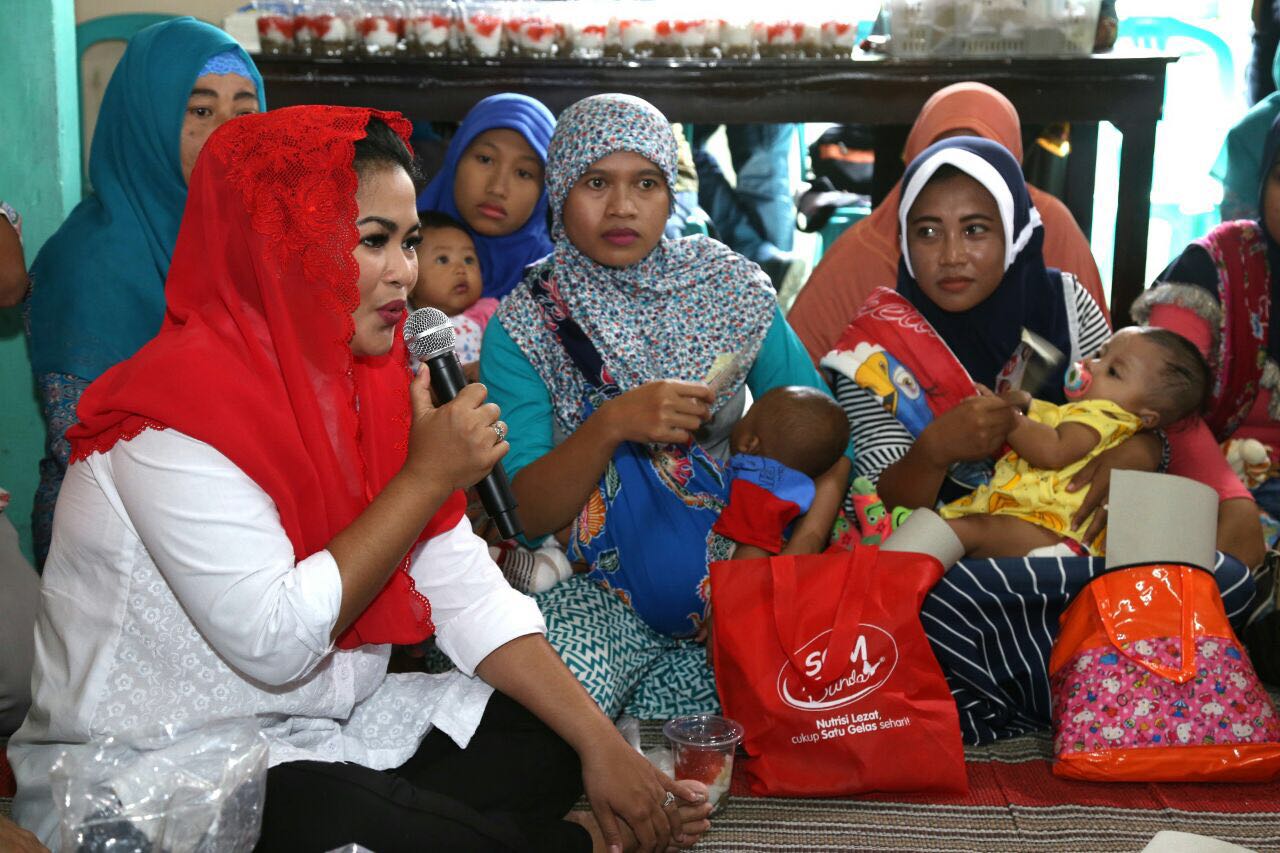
(1150, 684)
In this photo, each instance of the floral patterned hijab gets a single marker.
(669, 316)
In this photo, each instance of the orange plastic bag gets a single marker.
(1150, 684)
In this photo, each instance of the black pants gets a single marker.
(508, 790)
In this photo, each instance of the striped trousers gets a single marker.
(992, 624)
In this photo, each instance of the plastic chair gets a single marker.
(1154, 34)
(840, 219)
(696, 225)
(1186, 213)
(97, 30)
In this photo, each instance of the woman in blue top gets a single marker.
(492, 180)
(98, 284)
(603, 353)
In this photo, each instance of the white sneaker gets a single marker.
(531, 571)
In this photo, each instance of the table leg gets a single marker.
(1133, 213)
(890, 139)
(1082, 167)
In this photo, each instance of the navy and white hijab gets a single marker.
(985, 337)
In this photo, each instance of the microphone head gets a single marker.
(428, 333)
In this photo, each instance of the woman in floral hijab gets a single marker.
(621, 364)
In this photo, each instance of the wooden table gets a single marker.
(1124, 89)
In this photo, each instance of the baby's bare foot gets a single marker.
(693, 822)
(694, 817)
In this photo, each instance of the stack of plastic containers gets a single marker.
(490, 30)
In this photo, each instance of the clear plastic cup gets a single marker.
(533, 31)
(326, 28)
(632, 30)
(702, 747)
(736, 35)
(484, 29)
(780, 35)
(588, 29)
(276, 23)
(382, 27)
(431, 27)
(839, 37)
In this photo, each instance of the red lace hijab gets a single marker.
(254, 355)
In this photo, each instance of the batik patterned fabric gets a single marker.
(626, 666)
(646, 529)
(668, 316)
(59, 396)
(14, 219)
(646, 532)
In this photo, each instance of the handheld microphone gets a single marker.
(429, 336)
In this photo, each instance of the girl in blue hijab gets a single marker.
(492, 181)
(98, 283)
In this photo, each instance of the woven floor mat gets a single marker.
(1014, 804)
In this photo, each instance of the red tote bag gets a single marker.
(823, 661)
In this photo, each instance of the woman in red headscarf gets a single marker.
(260, 504)
(866, 256)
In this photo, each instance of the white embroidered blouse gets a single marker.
(171, 595)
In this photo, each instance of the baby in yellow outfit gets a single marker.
(1141, 379)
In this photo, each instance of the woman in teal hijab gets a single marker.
(98, 283)
(1240, 163)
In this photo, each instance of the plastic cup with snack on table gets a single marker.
(326, 28)
(483, 30)
(702, 747)
(431, 28)
(382, 28)
(275, 28)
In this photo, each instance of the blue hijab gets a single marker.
(1029, 296)
(98, 283)
(502, 259)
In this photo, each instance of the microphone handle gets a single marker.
(494, 490)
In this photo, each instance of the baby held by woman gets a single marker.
(1141, 379)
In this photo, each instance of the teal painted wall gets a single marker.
(39, 176)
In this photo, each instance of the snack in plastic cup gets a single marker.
(483, 23)
(326, 28)
(275, 28)
(587, 37)
(839, 37)
(382, 28)
(431, 28)
(702, 747)
(532, 31)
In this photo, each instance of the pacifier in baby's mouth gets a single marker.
(1077, 381)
